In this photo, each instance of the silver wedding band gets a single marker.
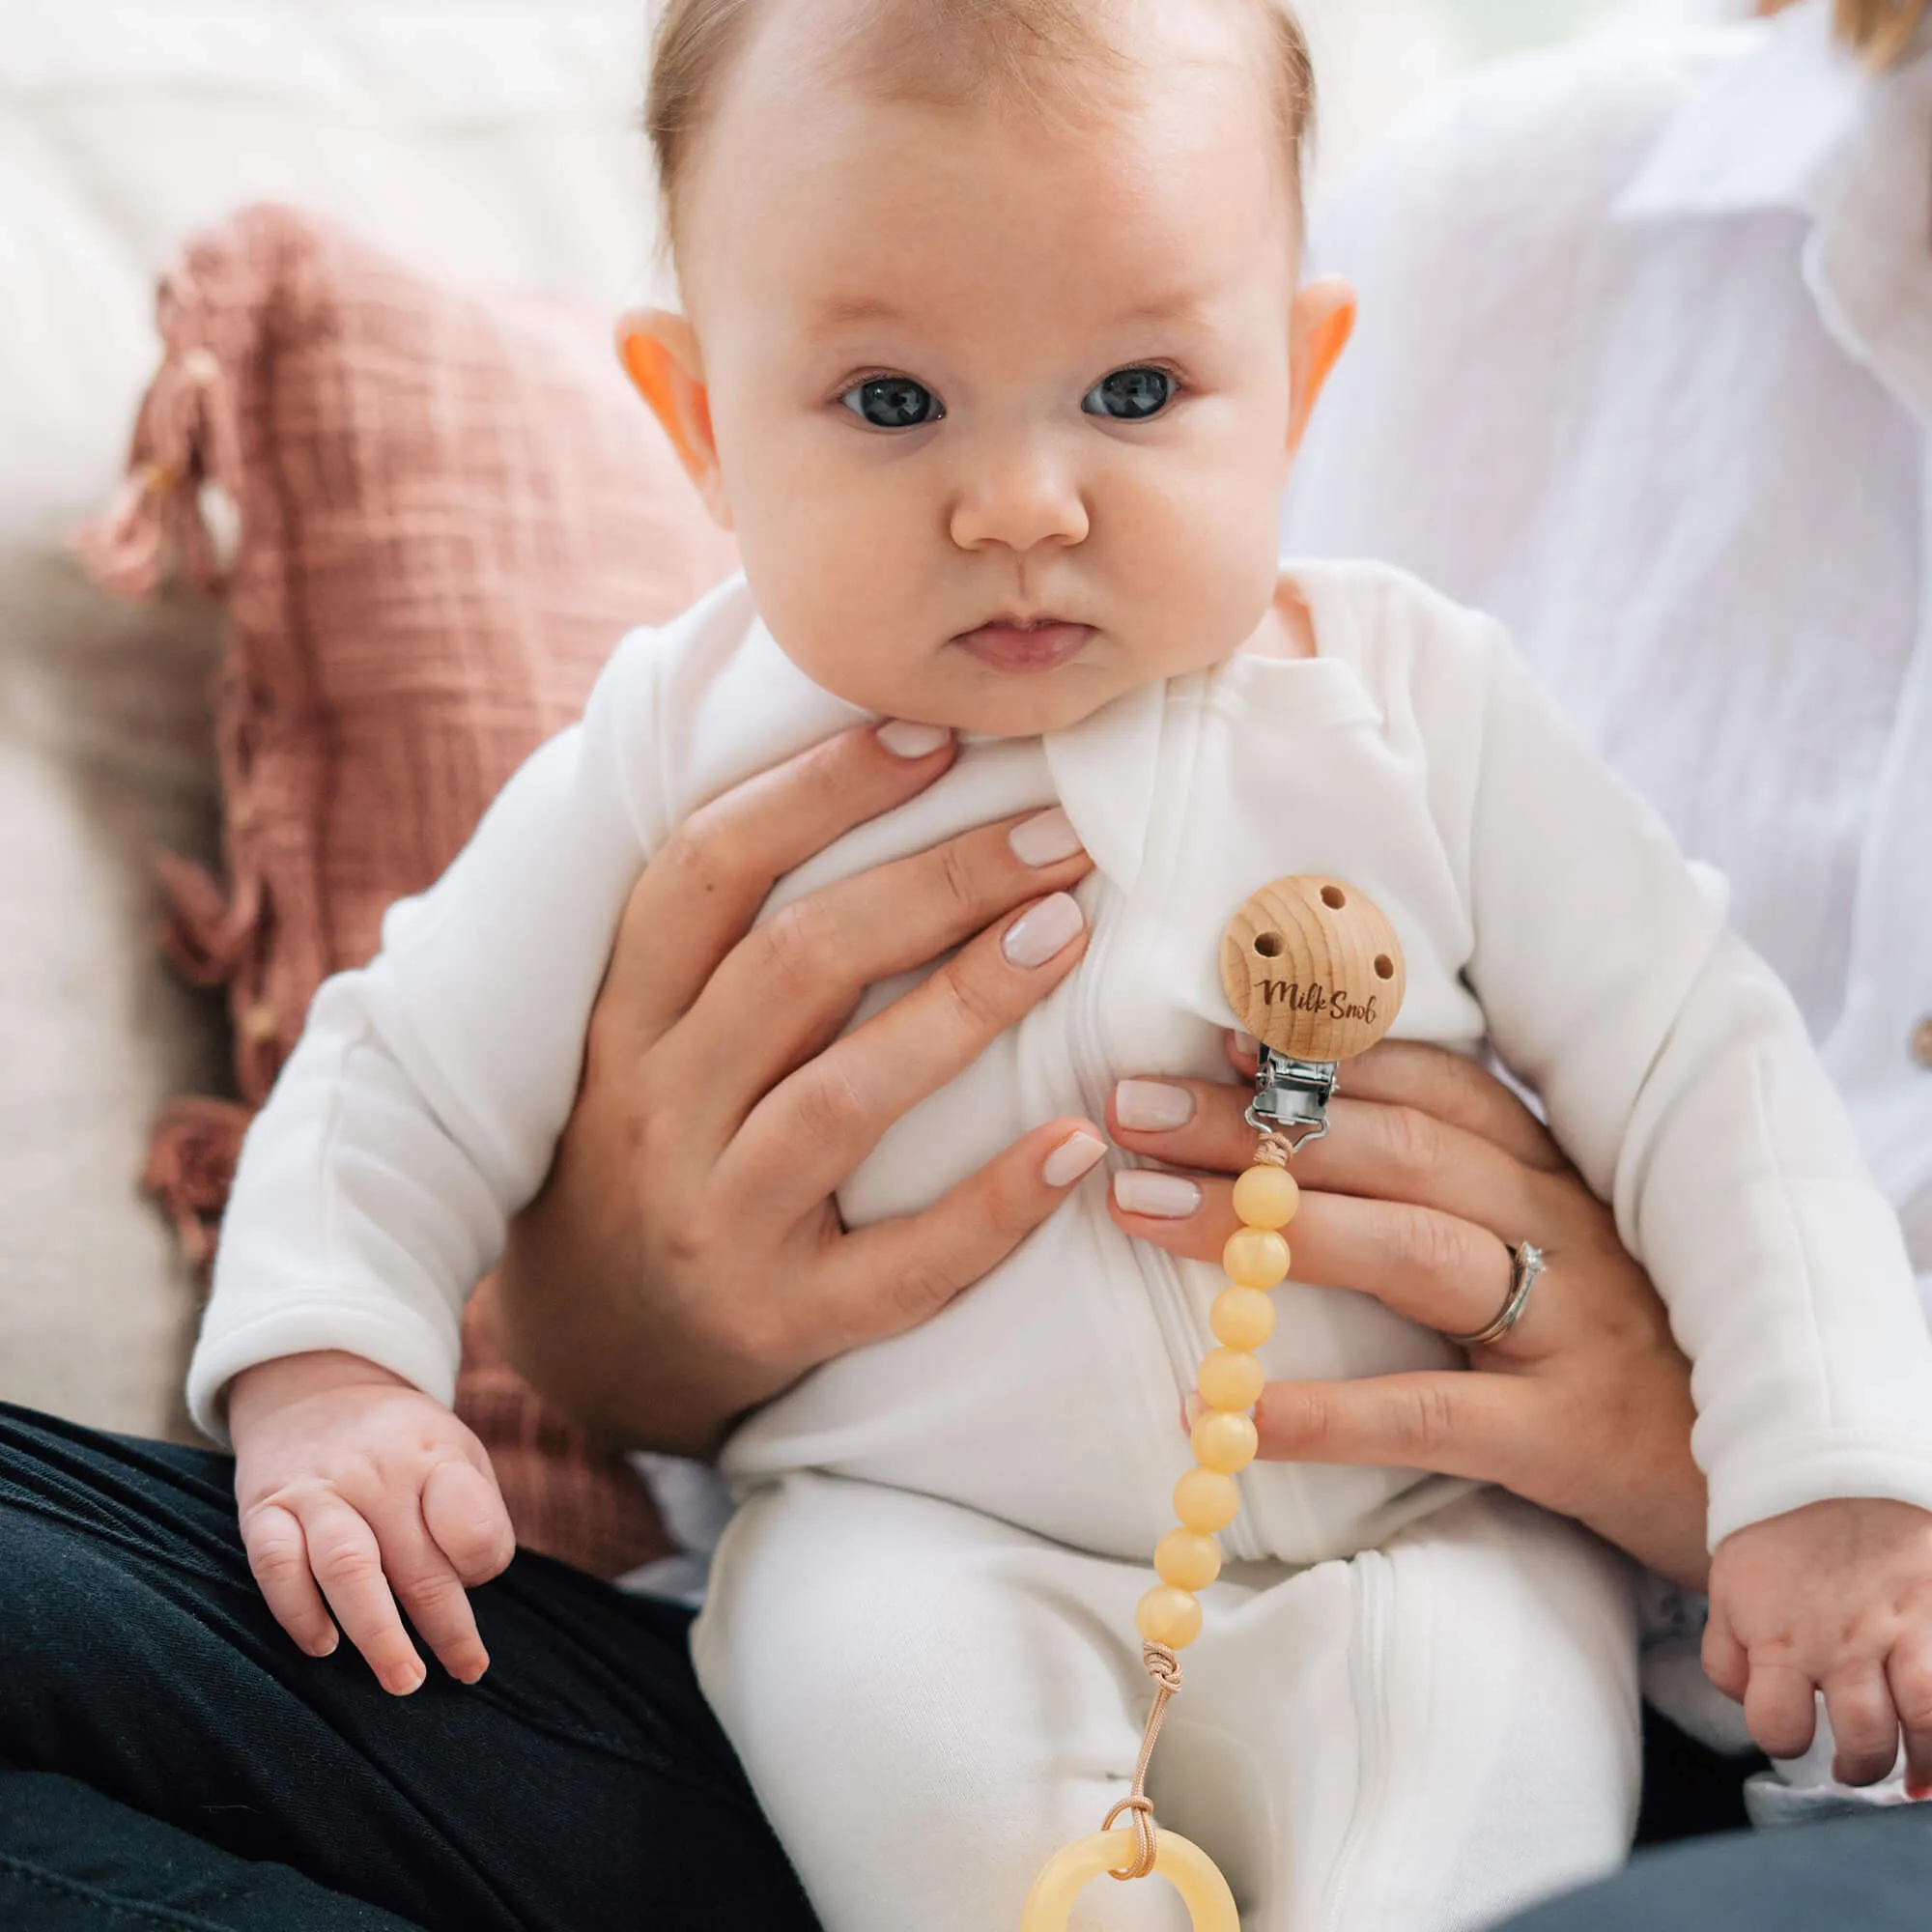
(1525, 1265)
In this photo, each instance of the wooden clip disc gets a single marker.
(1313, 968)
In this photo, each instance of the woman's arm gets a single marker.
(685, 1261)
(1433, 1166)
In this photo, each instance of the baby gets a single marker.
(994, 356)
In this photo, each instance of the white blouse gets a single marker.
(1645, 369)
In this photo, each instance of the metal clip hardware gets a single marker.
(1292, 1095)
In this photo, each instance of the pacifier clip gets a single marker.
(1312, 971)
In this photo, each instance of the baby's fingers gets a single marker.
(1864, 1727)
(1781, 1709)
(1725, 1662)
(463, 1509)
(279, 1558)
(1908, 1674)
(434, 1596)
(347, 1563)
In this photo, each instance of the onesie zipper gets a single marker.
(1184, 1333)
(1372, 1584)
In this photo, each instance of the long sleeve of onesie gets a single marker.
(422, 1106)
(1676, 1072)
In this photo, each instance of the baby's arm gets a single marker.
(1676, 1071)
(417, 1114)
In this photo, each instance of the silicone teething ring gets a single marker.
(1210, 1905)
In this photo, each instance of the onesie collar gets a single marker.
(1104, 771)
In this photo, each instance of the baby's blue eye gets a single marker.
(1129, 395)
(893, 401)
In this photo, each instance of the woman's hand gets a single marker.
(1430, 1166)
(685, 1259)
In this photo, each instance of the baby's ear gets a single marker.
(659, 351)
(1320, 326)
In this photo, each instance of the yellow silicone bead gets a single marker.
(1255, 1258)
(1268, 1197)
(1170, 1617)
(1205, 1500)
(1187, 1560)
(1242, 1318)
(1225, 1442)
(1230, 1379)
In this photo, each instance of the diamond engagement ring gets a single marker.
(1525, 1265)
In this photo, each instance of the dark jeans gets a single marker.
(1869, 1874)
(169, 1759)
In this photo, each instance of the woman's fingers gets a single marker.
(922, 1262)
(710, 877)
(1447, 1086)
(278, 1559)
(1372, 1150)
(1437, 1268)
(1487, 1428)
(811, 1132)
(347, 1562)
(786, 989)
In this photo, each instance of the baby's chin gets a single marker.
(981, 702)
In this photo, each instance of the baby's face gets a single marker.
(1001, 415)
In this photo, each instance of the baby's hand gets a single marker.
(1837, 1597)
(350, 1479)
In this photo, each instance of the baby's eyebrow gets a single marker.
(844, 311)
(1182, 305)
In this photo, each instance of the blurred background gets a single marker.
(1379, 59)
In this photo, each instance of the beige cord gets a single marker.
(1164, 1667)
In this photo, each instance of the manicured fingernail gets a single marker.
(904, 739)
(1044, 840)
(1038, 933)
(1247, 1043)
(1193, 1407)
(1075, 1155)
(1151, 1106)
(1166, 1197)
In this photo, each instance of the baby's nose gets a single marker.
(1018, 496)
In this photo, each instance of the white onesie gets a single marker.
(919, 1631)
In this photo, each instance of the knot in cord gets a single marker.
(1164, 1667)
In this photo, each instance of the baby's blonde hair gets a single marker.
(1045, 53)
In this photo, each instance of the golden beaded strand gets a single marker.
(1230, 1382)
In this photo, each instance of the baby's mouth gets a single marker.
(1035, 643)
